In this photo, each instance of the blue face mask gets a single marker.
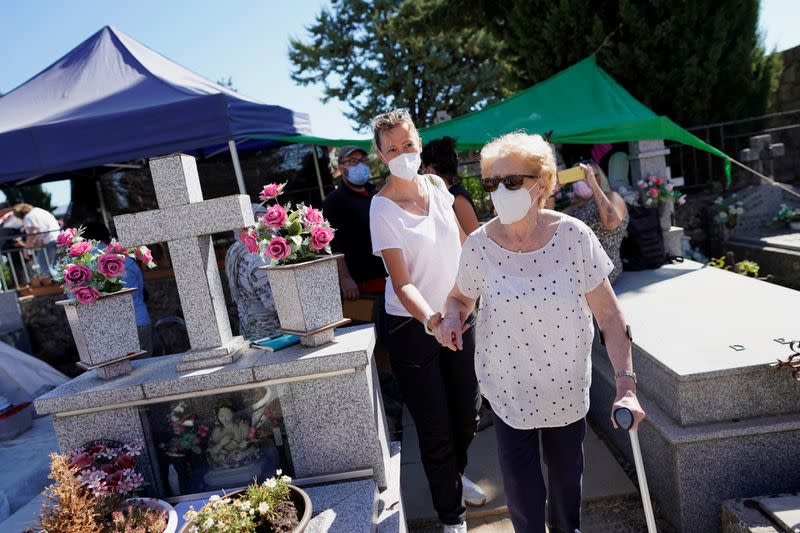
(358, 175)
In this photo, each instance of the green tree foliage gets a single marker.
(695, 61)
(29, 194)
(379, 54)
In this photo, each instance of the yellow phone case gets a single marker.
(570, 175)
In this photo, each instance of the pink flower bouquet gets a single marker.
(107, 467)
(287, 235)
(88, 271)
(658, 191)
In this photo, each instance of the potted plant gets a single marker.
(95, 491)
(660, 193)
(788, 217)
(727, 210)
(302, 272)
(99, 303)
(273, 506)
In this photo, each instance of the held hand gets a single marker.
(590, 177)
(451, 330)
(629, 401)
(349, 288)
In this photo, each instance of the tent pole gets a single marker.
(766, 178)
(319, 175)
(237, 168)
(103, 210)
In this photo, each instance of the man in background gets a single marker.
(41, 229)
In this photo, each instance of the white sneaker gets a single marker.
(460, 528)
(472, 494)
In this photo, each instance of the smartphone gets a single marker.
(570, 175)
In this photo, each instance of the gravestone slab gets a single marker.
(185, 221)
(721, 424)
(648, 158)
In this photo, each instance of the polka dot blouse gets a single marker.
(534, 331)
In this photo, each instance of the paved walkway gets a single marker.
(611, 501)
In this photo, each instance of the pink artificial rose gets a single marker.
(641, 184)
(278, 248)
(659, 181)
(86, 295)
(669, 186)
(114, 479)
(116, 248)
(77, 276)
(321, 237)
(682, 200)
(250, 241)
(82, 460)
(275, 217)
(79, 248)
(64, 238)
(313, 217)
(144, 255)
(111, 265)
(270, 191)
(125, 461)
(652, 192)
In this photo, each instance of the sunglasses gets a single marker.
(512, 182)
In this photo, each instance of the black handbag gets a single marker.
(643, 246)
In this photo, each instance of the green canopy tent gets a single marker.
(581, 105)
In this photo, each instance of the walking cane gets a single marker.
(624, 419)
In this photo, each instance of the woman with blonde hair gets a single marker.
(603, 210)
(414, 229)
(541, 276)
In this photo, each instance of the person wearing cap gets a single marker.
(250, 289)
(347, 210)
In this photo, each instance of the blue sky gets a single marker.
(246, 40)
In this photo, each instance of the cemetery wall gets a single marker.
(787, 97)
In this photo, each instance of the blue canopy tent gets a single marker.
(111, 99)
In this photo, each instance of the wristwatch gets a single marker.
(626, 373)
(427, 321)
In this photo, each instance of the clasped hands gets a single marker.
(448, 330)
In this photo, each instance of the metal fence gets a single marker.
(701, 170)
(16, 271)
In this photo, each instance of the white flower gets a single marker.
(739, 210)
(278, 472)
(214, 498)
(723, 216)
(244, 505)
(271, 483)
(191, 514)
(252, 511)
(208, 523)
(286, 479)
(263, 507)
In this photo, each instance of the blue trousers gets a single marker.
(562, 451)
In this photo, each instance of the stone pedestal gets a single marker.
(673, 241)
(721, 424)
(330, 397)
(648, 158)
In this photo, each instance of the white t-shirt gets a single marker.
(533, 337)
(37, 221)
(430, 243)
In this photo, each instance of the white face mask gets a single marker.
(511, 206)
(405, 166)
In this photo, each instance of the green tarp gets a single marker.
(580, 105)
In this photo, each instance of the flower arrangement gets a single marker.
(287, 235)
(89, 491)
(248, 511)
(727, 210)
(88, 272)
(188, 433)
(786, 216)
(263, 428)
(563, 197)
(106, 467)
(658, 191)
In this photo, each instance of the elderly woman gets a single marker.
(415, 231)
(541, 276)
(603, 211)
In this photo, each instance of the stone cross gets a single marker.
(185, 221)
(762, 153)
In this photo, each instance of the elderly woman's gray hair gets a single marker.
(387, 121)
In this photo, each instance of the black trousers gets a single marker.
(441, 391)
(562, 451)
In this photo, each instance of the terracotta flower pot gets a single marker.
(104, 330)
(307, 298)
(301, 501)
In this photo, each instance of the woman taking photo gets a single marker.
(541, 277)
(414, 230)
